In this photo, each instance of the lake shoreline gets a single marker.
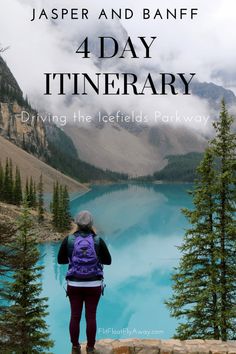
(76, 195)
(53, 236)
(162, 182)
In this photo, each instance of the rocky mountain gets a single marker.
(7, 80)
(22, 125)
(18, 121)
(213, 93)
(138, 152)
(18, 135)
(140, 149)
(101, 151)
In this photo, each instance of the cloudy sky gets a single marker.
(205, 45)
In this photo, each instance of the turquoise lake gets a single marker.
(142, 225)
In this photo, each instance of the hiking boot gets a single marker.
(76, 349)
(92, 351)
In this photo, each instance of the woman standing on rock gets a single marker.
(86, 254)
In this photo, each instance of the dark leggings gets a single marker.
(77, 296)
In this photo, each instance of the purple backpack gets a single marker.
(84, 263)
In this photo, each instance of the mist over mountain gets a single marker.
(176, 125)
(49, 144)
(123, 146)
(141, 148)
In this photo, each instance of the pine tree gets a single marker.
(7, 186)
(11, 183)
(204, 282)
(194, 281)
(224, 147)
(55, 204)
(27, 197)
(60, 208)
(34, 201)
(23, 324)
(40, 200)
(60, 212)
(66, 209)
(17, 194)
(7, 233)
(31, 193)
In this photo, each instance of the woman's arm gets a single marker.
(62, 257)
(104, 254)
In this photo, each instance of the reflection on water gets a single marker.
(142, 224)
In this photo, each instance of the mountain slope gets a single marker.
(22, 125)
(138, 153)
(31, 166)
(180, 168)
(141, 150)
(115, 149)
(64, 157)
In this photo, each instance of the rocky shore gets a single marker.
(171, 346)
(44, 231)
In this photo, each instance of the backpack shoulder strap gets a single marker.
(96, 239)
(70, 244)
